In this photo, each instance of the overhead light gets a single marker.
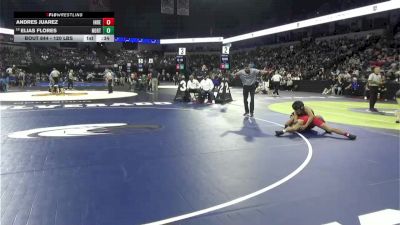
(191, 40)
(362, 11)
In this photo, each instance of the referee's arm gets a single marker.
(263, 71)
(237, 73)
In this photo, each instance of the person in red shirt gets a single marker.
(303, 118)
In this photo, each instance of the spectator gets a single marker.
(207, 88)
(193, 87)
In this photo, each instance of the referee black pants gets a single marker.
(276, 87)
(373, 96)
(246, 90)
(110, 87)
(70, 83)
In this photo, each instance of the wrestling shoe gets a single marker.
(373, 110)
(279, 133)
(351, 136)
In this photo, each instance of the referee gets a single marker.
(276, 82)
(248, 77)
(374, 80)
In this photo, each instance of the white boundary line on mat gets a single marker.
(248, 196)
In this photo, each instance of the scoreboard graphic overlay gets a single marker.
(64, 26)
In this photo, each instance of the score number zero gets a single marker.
(108, 21)
(108, 25)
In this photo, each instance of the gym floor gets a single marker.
(145, 159)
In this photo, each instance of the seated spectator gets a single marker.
(354, 88)
(193, 87)
(216, 81)
(338, 87)
(207, 88)
(328, 90)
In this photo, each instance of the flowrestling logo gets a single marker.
(66, 131)
(81, 130)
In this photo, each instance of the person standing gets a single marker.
(176, 78)
(374, 80)
(10, 72)
(109, 80)
(248, 77)
(154, 79)
(132, 81)
(54, 78)
(70, 79)
(22, 77)
(276, 81)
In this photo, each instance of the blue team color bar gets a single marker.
(137, 40)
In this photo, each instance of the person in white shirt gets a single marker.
(108, 76)
(10, 73)
(71, 79)
(10, 70)
(55, 75)
(54, 78)
(90, 77)
(193, 87)
(276, 80)
(374, 80)
(207, 87)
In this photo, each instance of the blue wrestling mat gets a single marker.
(181, 163)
